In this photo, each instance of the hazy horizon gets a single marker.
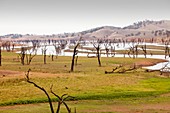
(54, 16)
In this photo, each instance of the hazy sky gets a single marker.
(59, 16)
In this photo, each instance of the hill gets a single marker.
(141, 29)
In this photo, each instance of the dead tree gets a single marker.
(35, 44)
(57, 47)
(112, 47)
(13, 46)
(6, 45)
(62, 43)
(75, 52)
(22, 55)
(61, 100)
(97, 45)
(0, 57)
(106, 45)
(114, 69)
(167, 51)
(136, 50)
(133, 49)
(44, 50)
(52, 57)
(122, 69)
(41, 88)
(30, 55)
(113, 50)
(144, 50)
(129, 53)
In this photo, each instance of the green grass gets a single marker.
(107, 106)
(88, 82)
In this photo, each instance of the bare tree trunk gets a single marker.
(61, 99)
(166, 49)
(97, 45)
(22, 55)
(136, 50)
(144, 50)
(106, 44)
(13, 45)
(58, 107)
(27, 59)
(45, 57)
(98, 56)
(74, 54)
(44, 50)
(107, 52)
(42, 89)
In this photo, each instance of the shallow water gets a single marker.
(117, 46)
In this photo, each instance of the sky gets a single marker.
(59, 16)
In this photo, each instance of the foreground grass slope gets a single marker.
(88, 82)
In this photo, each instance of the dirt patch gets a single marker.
(12, 74)
(4, 73)
(149, 63)
(44, 75)
(147, 108)
(165, 95)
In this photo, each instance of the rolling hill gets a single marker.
(141, 29)
(144, 29)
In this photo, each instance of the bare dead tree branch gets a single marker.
(41, 88)
(61, 100)
(121, 69)
(144, 50)
(75, 52)
(44, 50)
(22, 55)
(97, 45)
(30, 55)
(106, 44)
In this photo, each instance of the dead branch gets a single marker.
(121, 69)
(114, 69)
(74, 54)
(61, 100)
(97, 45)
(41, 88)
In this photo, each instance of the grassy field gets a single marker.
(93, 90)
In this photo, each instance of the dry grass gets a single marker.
(88, 82)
